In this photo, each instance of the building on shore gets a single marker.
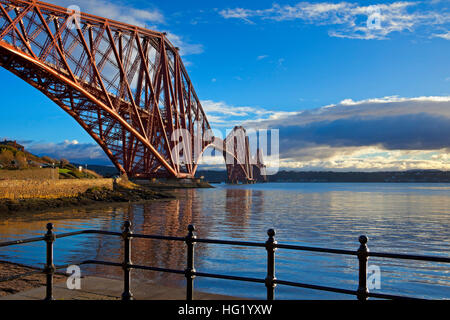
(12, 144)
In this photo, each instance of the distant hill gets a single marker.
(13, 156)
(105, 171)
(330, 176)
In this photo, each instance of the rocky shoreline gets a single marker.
(120, 194)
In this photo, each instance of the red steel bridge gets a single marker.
(125, 85)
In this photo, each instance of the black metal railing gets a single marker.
(270, 281)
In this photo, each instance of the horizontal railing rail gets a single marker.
(270, 281)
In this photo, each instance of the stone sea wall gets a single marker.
(49, 189)
(30, 174)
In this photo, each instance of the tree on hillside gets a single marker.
(21, 161)
(6, 157)
(48, 160)
(63, 162)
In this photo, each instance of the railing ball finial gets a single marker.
(49, 227)
(271, 233)
(363, 240)
(127, 224)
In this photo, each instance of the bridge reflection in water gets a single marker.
(171, 218)
(166, 218)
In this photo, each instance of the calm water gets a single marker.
(401, 218)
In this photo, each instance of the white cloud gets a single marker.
(351, 20)
(186, 48)
(264, 56)
(222, 114)
(149, 18)
(445, 36)
(73, 142)
(373, 158)
(238, 13)
(73, 150)
(223, 108)
(145, 18)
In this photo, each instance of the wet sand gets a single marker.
(96, 288)
(15, 285)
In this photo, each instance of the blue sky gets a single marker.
(266, 62)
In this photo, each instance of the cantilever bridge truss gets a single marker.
(126, 86)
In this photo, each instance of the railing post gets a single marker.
(363, 255)
(270, 247)
(190, 239)
(126, 235)
(49, 267)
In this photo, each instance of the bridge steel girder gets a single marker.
(126, 86)
(241, 165)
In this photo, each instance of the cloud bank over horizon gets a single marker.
(382, 134)
(389, 133)
(74, 151)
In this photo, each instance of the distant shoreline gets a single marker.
(412, 176)
(312, 182)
